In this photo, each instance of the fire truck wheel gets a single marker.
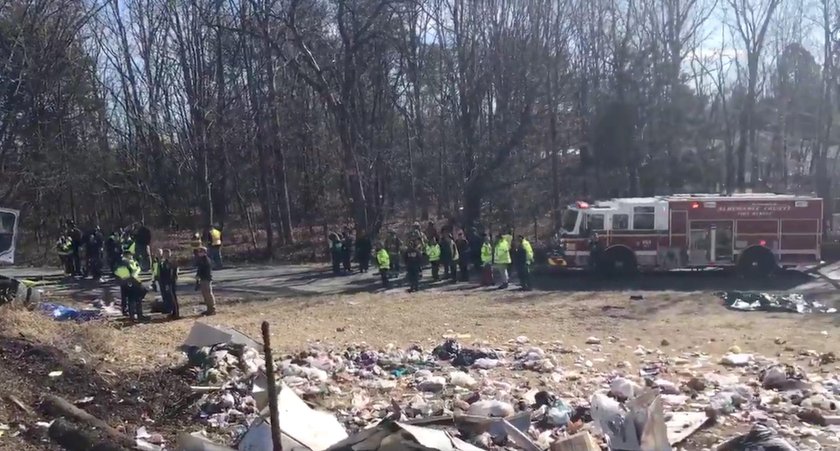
(618, 262)
(757, 262)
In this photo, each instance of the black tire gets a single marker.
(618, 262)
(757, 263)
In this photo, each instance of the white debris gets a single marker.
(491, 408)
(623, 388)
(486, 364)
(732, 359)
(461, 379)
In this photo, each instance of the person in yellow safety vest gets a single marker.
(64, 247)
(215, 248)
(383, 262)
(501, 259)
(486, 261)
(433, 254)
(523, 256)
(131, 287)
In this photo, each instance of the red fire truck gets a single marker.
(755, 233)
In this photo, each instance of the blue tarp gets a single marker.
(63, 313)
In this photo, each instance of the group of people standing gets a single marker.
(127, 252)
(81, 253)
(448, 248)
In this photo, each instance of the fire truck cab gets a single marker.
(756, 233)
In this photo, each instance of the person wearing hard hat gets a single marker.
(214, 251)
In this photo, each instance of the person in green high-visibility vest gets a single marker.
(383, 262)
(501, 259)
(131, 287)
(433, 254)
(486, 261)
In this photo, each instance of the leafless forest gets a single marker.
(280, 114)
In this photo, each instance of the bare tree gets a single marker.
(751, 21)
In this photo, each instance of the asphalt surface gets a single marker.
(271, 281)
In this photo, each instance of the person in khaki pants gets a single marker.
(204, 280)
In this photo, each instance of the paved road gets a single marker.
(257, 281)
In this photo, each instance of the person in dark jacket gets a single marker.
(450, 265)
(363, 249)
(394, 246)
(142, 241)
(413, 266)
(347, 249)
(476, 242)
(168, 281)
(519, 256)
(93, 253)
(446, 254)
(113, 250)
(204, 280)
(76, 240)
(464, 256)
(336, 253)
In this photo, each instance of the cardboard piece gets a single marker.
(582, 441)
(681, 425)
(301, 428)
(202, 335)
(390, 435)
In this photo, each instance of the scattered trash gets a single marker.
(760, 437)
(748, 301)
(56, 373)
(452, 351)
(467, 397)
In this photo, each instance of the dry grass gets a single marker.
(97, 338)
(689, 322)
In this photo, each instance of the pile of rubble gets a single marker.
(515, 397)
